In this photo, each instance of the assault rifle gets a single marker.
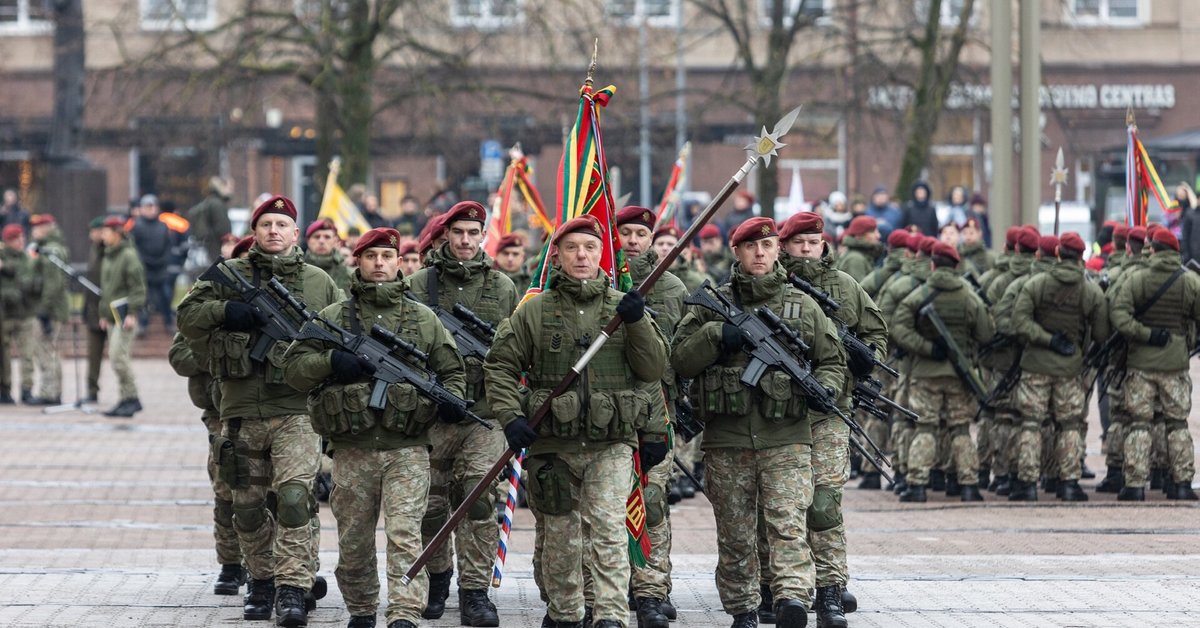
(278, 328)
(970, 278)
(686, 423)
(472, 334)
(962, 366)
(388, 354)
(72, 273)
(867, 396)
(772, 343)
(854, 345)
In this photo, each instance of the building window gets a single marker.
(1109, 12)
(950, 10)
(177, 15)
(485, 13)
(24, 17)
(658, 12)
(816, 10)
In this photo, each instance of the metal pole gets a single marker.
(1001, 213)
(680, 82)
(644, 98)
(1031, 133)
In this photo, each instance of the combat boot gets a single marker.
(231, 578)
(1156, 478)
(1113, 481)
(871, 481)
(1132, 494)
(914, 493)
(402, 623)
(747, 620)
(991, 488)
(290, 609)
(1182, 490)
(361, 621)
(953, 488)
(766, 607)
(1085, 472)
(900, 485)
(1050, 485)
(855, 465)
(1006, 485)
(318, 591)
(667, 608)
(547, 622)
(649, 613)
(828, 606)
(849, 602)
(674, 495)
(323, 487)
(6, 398)
(791, 614)
(686, 488)
(439, 590)
(937, 480)
(985, 476)
(1168, 484)
(1069, 491)
(1023, 491)
(970, 493)
(698, 473)
(475, 609)
(606, 623)
(259, 599)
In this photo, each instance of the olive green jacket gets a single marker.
(17, 283)
(334, 266)
(1042, 309)
(1002, 309)
(91, 302)
(774, 413)
(874, 282)
(209, 221)
(966, 318)
(666, 300)
(122, 275)
(691, 276)
(998, 268)
(1177, 311)
(192, 364)
(520, 279)
(976, 259)
(54, 301)
(719, 264)
(859, 259)
(339, 412)
(902, 284)
(258, 390)
(1129, 264)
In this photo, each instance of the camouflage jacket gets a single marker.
(963, 312)
(859, 259)
(1059, 300)
(1177, 311)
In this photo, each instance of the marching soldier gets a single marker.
(1156, 311)
(410, 258)
(122, 297)
(382, 456)
(806, 255)
(1119, 268)
(717, 258)
(459, 271)
(510, 260)
(267, 443)
(92, 314)
(580, 457)
(189, 360)
(758, 442)
(1057, 315)
(986, 427)
(18, 290)
(862, 248)
(937, 393)
(684, 268)
(897, 243)
(976, 258)
(321, 238)
(53, 305)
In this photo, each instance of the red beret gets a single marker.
(11, 231)
(1028, 238)
(746, 196)
(898, 239)
(1161, 236)
(241, 247)
(1121, 231)
(41, 219)
(709, 231)
(229, 237)
(756, 228)
(510, 240)
(1010, 236)
(1071, 240)
(466, 210)
(971, 222)
(941, 249)
(586, 223)
(927, 244)
(408, 248)
(636, 215)
(1152, 227)
(1048, 244)
(861, 225)
(319, 225)
(802, 222)
(673, 232)
(274, 205)
(382, 237)
(114, 222)
(913, 241)
(1137, 234)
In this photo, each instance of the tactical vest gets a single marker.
(1168, 311)
(1059, 308)
(229, 351)
(951, 307)
(482, 300)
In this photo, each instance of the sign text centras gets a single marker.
(1082, 96)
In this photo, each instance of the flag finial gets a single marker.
(1130, 120)
(591, 72)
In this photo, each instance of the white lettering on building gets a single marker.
(1070, 96)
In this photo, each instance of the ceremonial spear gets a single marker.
(764, 147)
(1058, 178)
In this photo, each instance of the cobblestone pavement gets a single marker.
(106, 522)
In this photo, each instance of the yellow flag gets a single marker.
(337, 206)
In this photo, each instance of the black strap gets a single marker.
(933, 293)
(352, 309)
(432, 287)
(1145, 307)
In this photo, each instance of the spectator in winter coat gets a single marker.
(11, 213)
(1189, 239)
(155, 245)
(885, 213)
(919, 212)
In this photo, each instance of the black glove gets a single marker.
(861, 361)
(47, 325)
(1062, 345)
(826, 404)
(1159, 337)
(652, 454)
(940, 349)
(242, 317)
(518, 434)
(452, 413)
(347, 367)
(632, 307)
(732, 339)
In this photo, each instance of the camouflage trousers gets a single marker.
(368, 483)
(462, 454)
(120, 353)
(18, 332)
(1151, 394)
(779, 480)
(48, 361)
(1001, 435)
(687, 453)
(224, 534)
(654, 580)
(878, 430)
(1118, 426)
(599, 482)
(902, 429)
(283, 452)
(1056, 403)
(942, 400)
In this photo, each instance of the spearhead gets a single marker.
(1058, 176)
(767, 145)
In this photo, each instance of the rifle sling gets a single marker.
(352, 309)
(1145, 307)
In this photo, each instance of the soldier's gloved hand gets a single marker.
(347, 367)
(1061, 344)
(452, 413)
(940, 350)
(1159, 337)
(518, 434)
(826, 404)
(242, 317)
(861, 362)
(652, 453)
(632, 307)
(732, 339)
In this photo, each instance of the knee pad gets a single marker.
(1173, 425)
(432, 523)
(960, 430)
(1028, 425)
(825, 513)
(250, 518)
(296, 504)
(1137, 426)
(656, 504)
(481, 509)
(223, 511)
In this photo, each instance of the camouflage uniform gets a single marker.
(1006, 417)
(382, 455)
(688, 453)
(937, 394)
(719, 264)
(976, 259)
(580, 470)
(265, 419)
(19, 288)
(758, 442)
(1059, 301)
(687, 272)
(859, 259)
(1118, 413)
(910, 277)
(334, 266)
(986, 429)
(1157, 380)
(52, 312)
(464, 452)
(122, 276)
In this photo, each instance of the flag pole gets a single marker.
(764, 147)
(1058, 178)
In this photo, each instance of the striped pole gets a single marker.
(510, 505)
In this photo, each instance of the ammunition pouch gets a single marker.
(229, 354)
(550, 486)
(296, 505)
(474, 378)
(825, 513)
(233, 466)
(341, 409)
(718, 391)
(656, 504)
(407, 411)
(781, 402)
(273, 367)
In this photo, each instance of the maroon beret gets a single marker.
(41, 219)
(1161, 236)
(1120, 231)
(898, 239)
(432, 231)
(274, 205)
(466, 210)
(1137, 234)
(802, 222)
(509, 241)
(861, 225)
(709, 231)
(913, 243)
(409, 247)
(927, 244)
(320, 225)
(941, 249)
(972, 222)
(11, 231)
(241, 247)
(382, 237)
(114, 222)
(1010, 236)
(1028, 238)
(637, 216)
(1071, 240)
(586, 223)
(673, 232)
(1048, 244)
(755, 228)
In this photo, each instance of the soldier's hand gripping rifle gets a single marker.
(859, 352)
(772, 343)
(387, 353)
(962, 366)
(278, 326)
